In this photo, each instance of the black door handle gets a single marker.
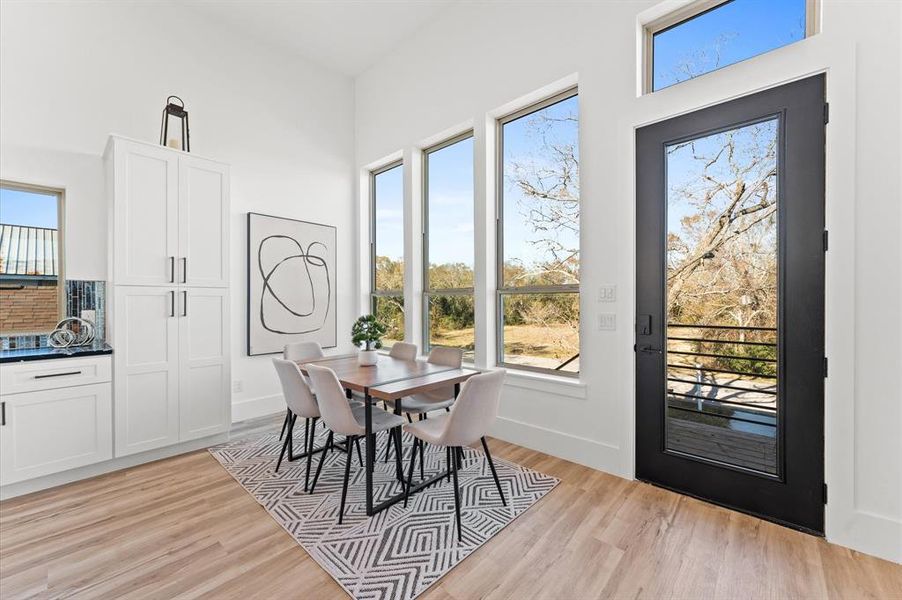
(649, 350)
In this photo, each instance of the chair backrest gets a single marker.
(301, 351)
(297, 393)
(403, 351)
(448, 357)
(475, 409)
(333, 405)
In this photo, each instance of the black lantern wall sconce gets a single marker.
(178, 111)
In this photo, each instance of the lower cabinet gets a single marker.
(171, 369)
(204, 394)
(49, 431)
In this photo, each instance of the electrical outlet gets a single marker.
(607, 322)
(237, 386)
(607, 293)
(89, 315)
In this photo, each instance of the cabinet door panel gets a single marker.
(145, 206)
(203, 223)
(55, 430)
(145, 372)
(204, 395)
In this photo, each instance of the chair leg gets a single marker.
(409, 418)
(344, 488)
(285, 423)
(359, 455)
(452, 465)
(322, 459)
(388, 445)
(285, 446)
(448, 459)
(396, 434)
(459, 456)
(413, 460)
(309, 450)
(488, 455)
(306, 433)
(422, 459)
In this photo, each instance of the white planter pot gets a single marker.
(367, 358)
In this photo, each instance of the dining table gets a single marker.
(390, 379)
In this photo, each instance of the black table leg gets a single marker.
(370, 450)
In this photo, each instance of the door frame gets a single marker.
(806, 486)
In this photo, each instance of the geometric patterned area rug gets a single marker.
(399, 552)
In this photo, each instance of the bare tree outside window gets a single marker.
(540, 221)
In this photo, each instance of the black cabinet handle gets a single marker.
(184, 303)
(171, 303)
(184, 270)
(2, 414)
(57, 374)
(171, 269)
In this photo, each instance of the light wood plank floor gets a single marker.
(183, 527)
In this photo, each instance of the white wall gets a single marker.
(71, 73)
(470, 64)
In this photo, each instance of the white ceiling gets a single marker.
(344, 35)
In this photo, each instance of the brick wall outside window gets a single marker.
(33, 309)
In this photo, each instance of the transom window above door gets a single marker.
(710, 34)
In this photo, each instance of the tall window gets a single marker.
(711, 34)
(538, 237)
(31, 270)
(448, 245)
(387, 249)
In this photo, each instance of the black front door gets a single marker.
(730, 304)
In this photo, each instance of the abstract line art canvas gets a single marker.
(291, 283)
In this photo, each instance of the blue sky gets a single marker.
(745, 28)
(27, 208)
(683, 170)
(451, 204)
(390, 213)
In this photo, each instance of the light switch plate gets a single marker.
(607, 322)
(607, 293)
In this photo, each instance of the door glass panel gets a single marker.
(722, 297)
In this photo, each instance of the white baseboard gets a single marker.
(590, 453)
(257, 407)
(866, 532)
(48, 481)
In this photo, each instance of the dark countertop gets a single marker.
(23, 354)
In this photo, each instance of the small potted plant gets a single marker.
(367, 335)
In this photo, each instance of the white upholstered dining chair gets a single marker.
(298, 352)
(403, 351)
(440, 398)
(471, 416)
(344, 420)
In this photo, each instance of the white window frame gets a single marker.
(374, 291)
(61, 241)
(427, 289)
(501, 290)
(690, 11)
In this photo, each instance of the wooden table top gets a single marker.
(387, 370)
(415, 385)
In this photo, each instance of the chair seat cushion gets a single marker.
(431, 430)
(381, 420)
(422, 404)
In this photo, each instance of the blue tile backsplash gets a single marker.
(80, 296)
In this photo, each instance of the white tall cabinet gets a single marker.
(169, 314)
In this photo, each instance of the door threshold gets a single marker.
(788, 525)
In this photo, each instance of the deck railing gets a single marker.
(726, 398)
